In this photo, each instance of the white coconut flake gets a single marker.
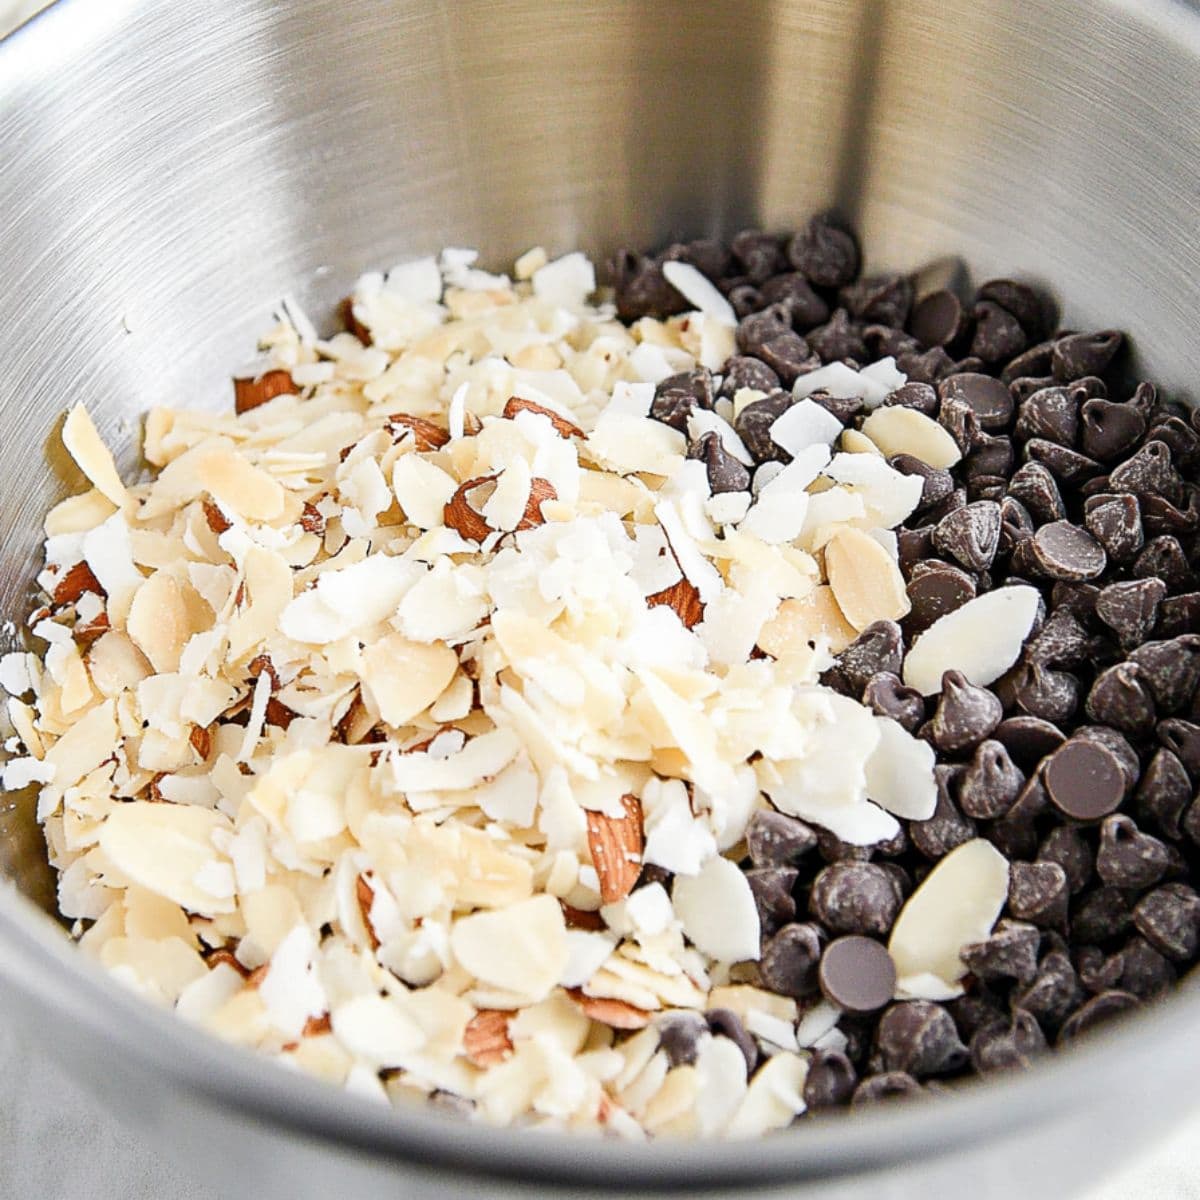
(900, 773)
(718, 911)
(699, 291)
(803, 425)
(568, 281)
(456, 414)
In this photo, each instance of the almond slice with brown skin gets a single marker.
(91, 631)
(616, 845)
(616, 1014)
(426, 434)
(365, 895)
(250, 393)
(311, 519)
(260, 663)
(561, 425)
(540, 490)
(317, 1026)
(201, 740)
(684, 598)
(580, 918)
(352, 323)
(216, 519)
(278, 714)
(74, 582)
(459, 515)
(217, 957)
(485, 1039)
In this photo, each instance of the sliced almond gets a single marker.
(311, 519)
(561, 425)
(201, 739)
(278, 714)
(485, 1039)
(224, 957)
(617, 1014)
(581, 918)
(73, 582)
(250, 393)
(866, 581)
(91, 455)
(365, 894)
(540, 490)
(798, 622)
(318, 1026)
(260, 663)
(426, 435)
(460, 516)
(900, 430)
(217, 521)
(404, 677)
(87, 632)
(684, 598)
(616, 845)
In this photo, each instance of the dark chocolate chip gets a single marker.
(991, 460)
(708, 255)
(1102, 915)
(724, 1022)
(886, 696)
(1095, 1012)
(1035, 487)
(1179, 614)
(970, 534)
(788, 355)
(1067, 846)
(1115, 521)
(795, 293)
(1120, 698)
(771, 888)
(1097, 971)
(965, 714)
(744, 300)
(998, 334)
(830, 1080)
(1128, 858)
(1118, 743)
(935, 589)
(1170, 669)
(679, 1035)
(1061, 550)
(1040, 691)
(1061, 642)
(1144, 972)
(1169, 919)
(947, 829)
(855, 897)
(825, 254)
(1010, 952)
(1130, 608)
(991, 783)
(884, 341)
(845, 408)
(1067, 466)
(1016, 523)
(938, 319)
(1038, 892)
(880, 647)
(725, 473)
(986, 487)
(1183, 739)
(789, 960)
(1084, 780)
(838, 339)
(1028, 739)
(930, 366)
(986, 397)
(1150, 472)
(914, 546)
(882, 299)
(961, 423)
(1032, 309)
(1005, 1048)
(888, 1086)
(1054, 994)
(754, 331)
(1080, 354)
(742, 371)
(919, 396)
(1051, 413)
(936, 483)
(956, 500)
(774, 839)
(677, 396)
(753, 426)
(1164, 794)
(759, 254)
(857, 974)
(641, 288)
(920, 1038)
(1110, 430)
(1163, 558)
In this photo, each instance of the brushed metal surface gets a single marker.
(168, 170)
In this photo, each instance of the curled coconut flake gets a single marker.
(718, 911)
(699, 292)
(957, 904)
(982, 639)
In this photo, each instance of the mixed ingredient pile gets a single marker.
(668, 709)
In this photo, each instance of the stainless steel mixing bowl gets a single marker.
(169, 169)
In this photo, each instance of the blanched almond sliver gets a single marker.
(250, 393)
(404, 677)
(91, 455)
(521, 948)
(561, 425)
(865, 579)
(163, 848)
(797, 622)
(617, 1014)
(899, 430)
(684, 599)
(485, 1040)
(616, 846)
(162, 617)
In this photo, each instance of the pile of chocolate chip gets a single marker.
(1080, 764)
